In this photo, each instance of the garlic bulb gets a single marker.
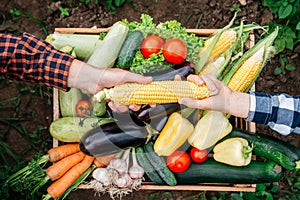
(123, 181)
(135, 171)
(101, 175)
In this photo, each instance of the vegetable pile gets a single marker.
(168, 144)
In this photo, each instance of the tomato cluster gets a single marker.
(179, 160)
(174, 50)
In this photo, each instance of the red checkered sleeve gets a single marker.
(29, 58)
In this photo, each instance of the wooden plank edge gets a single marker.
(202, 32)
(55, 111)
(228, 188)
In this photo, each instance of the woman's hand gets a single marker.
(222, 98)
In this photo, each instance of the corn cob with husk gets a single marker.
(229, 47)
(212, 47)
(221, 54)
(245, 75)
(227, 38)
(213, 67)
(245, 71)
(156, 92)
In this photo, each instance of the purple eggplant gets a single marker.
(128, 117)
(183, 70)
(155, 119)
(148, 113)
(112, 138)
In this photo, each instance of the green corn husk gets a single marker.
(270, 50)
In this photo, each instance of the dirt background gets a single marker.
(213, 14)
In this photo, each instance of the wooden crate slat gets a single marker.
(200, 32)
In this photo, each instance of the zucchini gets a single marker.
(68, 100)
(83, 44)
(105, 55)
(212, 171)
(271, 148)
(147, 166)
(71, 129)
(159, 165)
(99, 108)
(150, 68)
(131, 44)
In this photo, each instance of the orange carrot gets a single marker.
(57, 188)
(60, 152)
(103, 161)
(59, 168)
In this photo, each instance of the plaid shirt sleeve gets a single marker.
(29, 58)
(280, 112)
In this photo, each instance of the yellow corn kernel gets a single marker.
(227, 38)
(157, 92)
(247, 72)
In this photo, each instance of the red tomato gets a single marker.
(178, 161)
(83, 108)
(198, 155)
(152, 44)
(174, 51)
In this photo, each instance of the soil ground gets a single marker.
(45, 15)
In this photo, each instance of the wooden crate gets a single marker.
(237, 122)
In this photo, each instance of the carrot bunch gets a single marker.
(68, 163)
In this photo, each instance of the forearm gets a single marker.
(84, 76)
(238, 104)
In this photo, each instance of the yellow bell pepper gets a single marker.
(233, 151)
(212, 127)
(173, 135)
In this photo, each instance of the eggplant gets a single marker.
(156, 117)
(148, 113)
(112, 138)
(183, 70)
(128, 117)
(159, 123)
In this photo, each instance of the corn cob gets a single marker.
(247, 72)
(213, 67)
(157, 92)
(260, 53)
(227, 38)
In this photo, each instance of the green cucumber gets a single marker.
(159, 165)
(147, 166)
(212, 171)
(271, 148)
(130, 46)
